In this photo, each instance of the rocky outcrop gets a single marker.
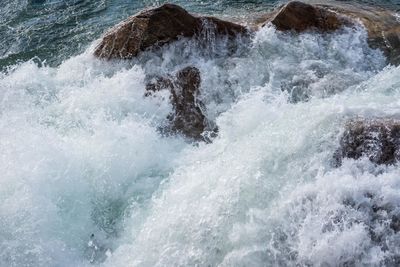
(378, 140)
(156, 27)
(382, 25)
(299, 16)
(188, 118)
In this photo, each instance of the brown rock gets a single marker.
(379, 140)
(223, 27)
(300, 17)
(188, 118)
(382, 25)
(156, 27)
(383, 28)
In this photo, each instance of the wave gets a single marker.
(88, 179)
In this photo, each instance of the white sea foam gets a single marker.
(88, 178)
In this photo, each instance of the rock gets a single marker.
(188, 118)
(300, 17)
(156, 27)
(379, 140)
(382, 25)
(158, 84)
(222, 27)
(395, 223)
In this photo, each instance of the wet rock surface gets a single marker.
(151, 27)
(158, 26)
(382, 25)
(188, 118)
(299, 16)
(379, 140)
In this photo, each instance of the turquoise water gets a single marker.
(53, 30)
(86, 178)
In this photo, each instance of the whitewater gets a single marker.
(87, 179)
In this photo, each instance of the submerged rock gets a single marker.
(188, 118)
(299, 16)
(158, 26)
(379, 140)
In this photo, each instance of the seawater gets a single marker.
(88, 180)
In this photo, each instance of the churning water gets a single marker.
(87, 179)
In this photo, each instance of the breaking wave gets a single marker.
(88, 179)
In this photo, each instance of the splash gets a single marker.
(88, 179)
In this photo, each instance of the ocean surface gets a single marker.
(86, 178)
